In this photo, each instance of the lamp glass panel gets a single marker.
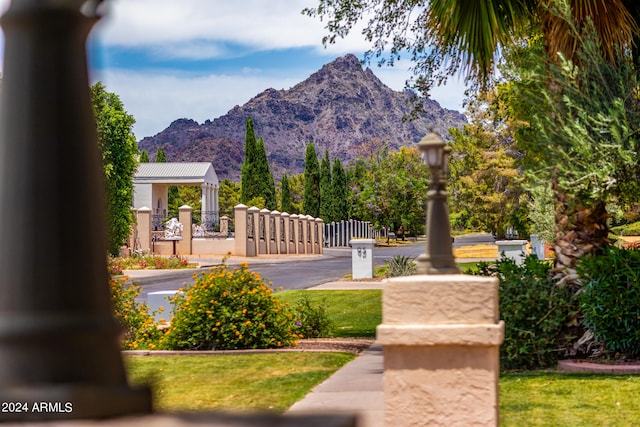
(433, 156)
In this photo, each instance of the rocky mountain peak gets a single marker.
(341, 107)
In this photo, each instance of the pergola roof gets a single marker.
(176, 173)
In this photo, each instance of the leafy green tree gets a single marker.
(296, 187)
(341, 192)
(229, 196)
(311, 197)
(444, 37)
(577, 125)
(119, 152)
(485, 185)
(144, 157)
(326, 189)
(391, 189)
(160, 156)
(285, 204)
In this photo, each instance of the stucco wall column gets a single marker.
(143, 217)
(240, 219)
(441, 337)
(183, 247)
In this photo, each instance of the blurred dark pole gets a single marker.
(58, 337)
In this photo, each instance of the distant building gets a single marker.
(152, 180)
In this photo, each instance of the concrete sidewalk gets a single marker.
(356, 388)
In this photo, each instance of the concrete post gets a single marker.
(240, 218)
(319, 236)
(184, 246)
(59, 340)
(143, 219)
(441, 336)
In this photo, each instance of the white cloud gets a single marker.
(158, 99)
(260, 24)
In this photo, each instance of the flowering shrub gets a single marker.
(116, 265)
(139, 328)
(229, 309)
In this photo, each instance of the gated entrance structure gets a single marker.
(151, 188)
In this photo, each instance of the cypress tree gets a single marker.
(311, 196)
(160, 156)
(285, 203)
(144, 157)
(265, 183)
(326, 190)
(340, 192)
(248, 177)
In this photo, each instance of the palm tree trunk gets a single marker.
(580, 230)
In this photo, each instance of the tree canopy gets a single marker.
(444, 37)
(119, 152)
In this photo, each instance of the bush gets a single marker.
(140, 262)
(610, 298)
(229, 309)
(400, 266)
(534, 311)
(632, 229)
(312, 321)
(139, 328)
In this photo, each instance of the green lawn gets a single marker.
(272, 381)
(570, 400)
(347, 321)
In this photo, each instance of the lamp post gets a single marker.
(438, 258)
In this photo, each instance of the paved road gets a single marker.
(295, 274)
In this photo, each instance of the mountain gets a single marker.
(342, 107)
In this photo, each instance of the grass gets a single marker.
(554, 399)
(347, 322)
(275, 381)
(251, 382)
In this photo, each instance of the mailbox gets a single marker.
(362, 258)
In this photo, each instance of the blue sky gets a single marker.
(197, 59)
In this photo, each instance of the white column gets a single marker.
(203, 201)
(215, 198)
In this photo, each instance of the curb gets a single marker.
(598, 368)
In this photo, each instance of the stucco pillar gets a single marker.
(183, 247)
(143, 218)
(441, 336)
(240, 235)
(319, 236)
